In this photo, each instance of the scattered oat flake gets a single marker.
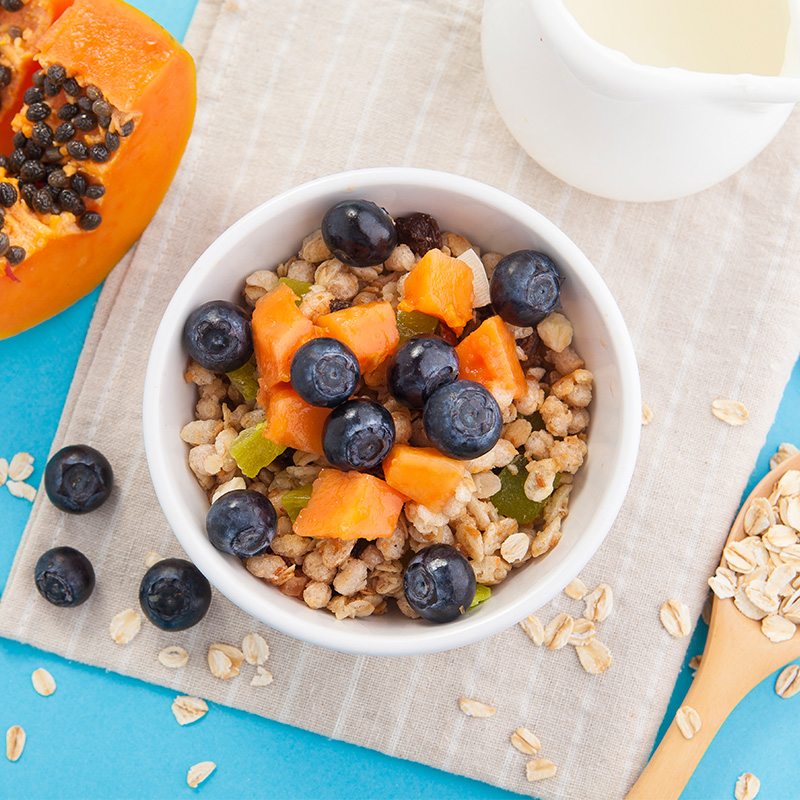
(224, 661)
(539, 769)
(3, 471)
(173, 657)
(788, 682)
(647, 414)
(516, 547)
(188, 709)
(534, 628)
(43, 682)
(152, 558)
(20, 467)
(575, 589)
(526, 741)
(688, 721)
(747, 787)
(199, 772)
(785, 450)
(255, 648)
(583, 632)
(558, 631)
(474, 708)
(777, 629)
(21, 489)
(788, 485)
(263, 678)
(599, 603)
(730, 411)
(694, 662)
(15, 742)
(594, 656)
(125, 625)
(675, 618)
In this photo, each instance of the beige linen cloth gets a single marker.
(709, 286)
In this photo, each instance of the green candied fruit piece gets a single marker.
(244, 379)
(253, 451)
(511, 500)
(298, 287)
(412, 323)
(482, 594)
(295, 500)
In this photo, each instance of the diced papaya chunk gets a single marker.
(423, 474)
(489, 356)
(441, 286)
(349, 505)
(292, 422)
(369, 330)
(279, 329)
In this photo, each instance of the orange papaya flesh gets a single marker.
(488, 356)
(349, 505)
(279, 329)
(369, 330)
(138, 85)
(292, 422)
(20, 33)
(441, 286)
(423, 474)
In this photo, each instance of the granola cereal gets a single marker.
(543, 443)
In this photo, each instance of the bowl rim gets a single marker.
(431, 638)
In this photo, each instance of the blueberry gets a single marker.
(525, 287)
(358, 435)
(218, 336)
(439, 583)
(64, 577)
(174, 594)
(242, 523)
(462, 419)
(78, 479)
(325, 372)
(359, 233)
(420, 366)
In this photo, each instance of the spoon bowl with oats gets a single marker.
(752, 631)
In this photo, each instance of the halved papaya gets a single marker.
(488, 355)
(97, 140)
(279, 329)
(423, 474)
(22, 25)
(441, 286)
(292, 422)
(349, 505)
(369, 330)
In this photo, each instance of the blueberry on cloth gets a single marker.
(78, 479)
(174, 594)
(64, 577)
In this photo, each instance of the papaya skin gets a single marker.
(155, 85)
(349, 505)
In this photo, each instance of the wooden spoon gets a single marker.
(737, 658)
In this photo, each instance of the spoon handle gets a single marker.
(725, 676)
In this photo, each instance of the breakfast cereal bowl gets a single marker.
(491, 220)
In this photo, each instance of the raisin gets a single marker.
(418, 231)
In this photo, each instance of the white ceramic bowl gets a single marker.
(491, 219)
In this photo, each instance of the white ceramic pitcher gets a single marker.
(606, 124)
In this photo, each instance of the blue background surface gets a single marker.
(105, 736)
